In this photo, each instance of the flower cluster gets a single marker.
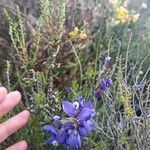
(104, 84)
(82, 36)
(77, 124)
(123, 15)
(126, 98)
(76, 33)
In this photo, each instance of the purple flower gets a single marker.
(82, 114)
(105, 84)
(107, 62)
(77, 124)
(97, 94)
(109, 82)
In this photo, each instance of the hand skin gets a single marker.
(7, 102)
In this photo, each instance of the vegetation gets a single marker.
(97, 51)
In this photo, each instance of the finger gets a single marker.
(3, 92)
(13, 124)
(10, 101)
(22, 145)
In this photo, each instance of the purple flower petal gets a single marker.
(61, 137)
(69, 109)
(74, 141)
(89, 125)
(89, 104)
(50, 129)
(57, 121)
(50, 140)
(109, 82)
(97, 94)
(83, 131)
(56, 118)
(80, 100)
(68, 126)
(103, 85)
(107, 62)
(85, 113)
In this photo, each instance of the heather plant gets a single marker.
(83, 70)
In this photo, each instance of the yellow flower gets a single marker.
(122, 14)
(74, 33)
(83, 36)
(122, 11)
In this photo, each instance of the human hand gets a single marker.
(7, 102)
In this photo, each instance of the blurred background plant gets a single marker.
(56, 51)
